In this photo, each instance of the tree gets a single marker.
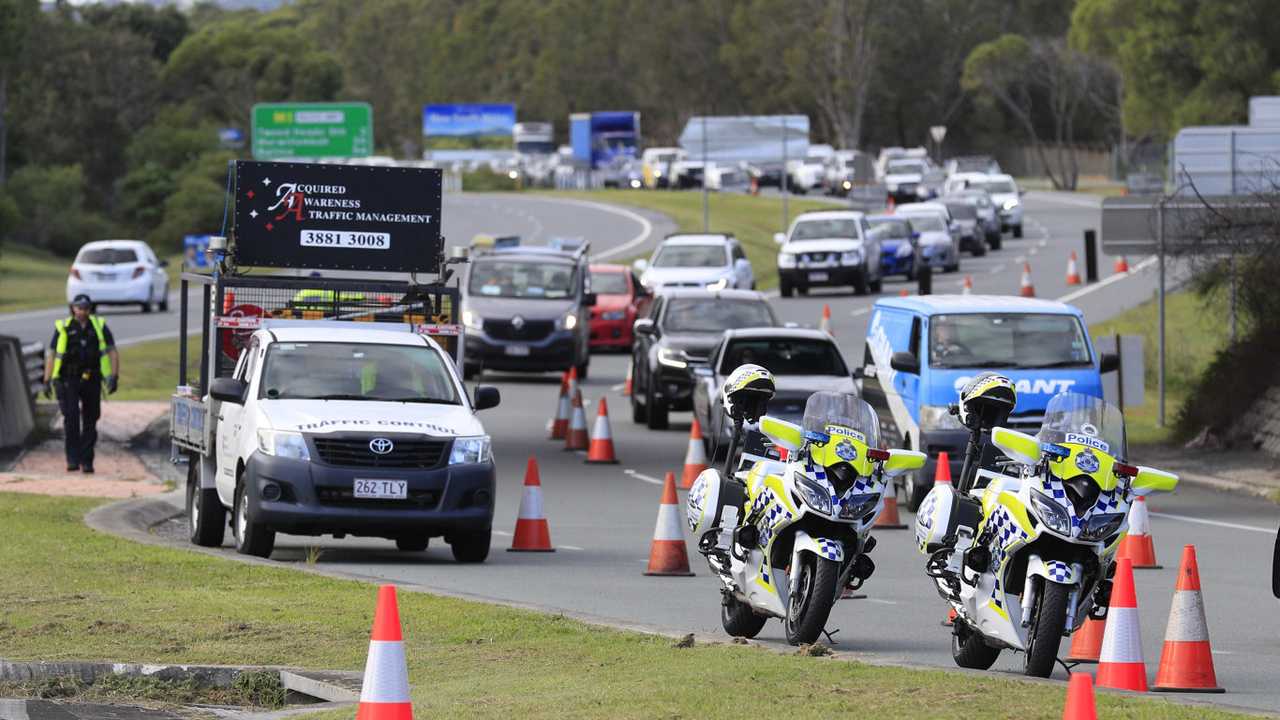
(16, 19)
(54, 214)
(164, 27)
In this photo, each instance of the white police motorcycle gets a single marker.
(785, 538)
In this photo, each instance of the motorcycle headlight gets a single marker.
(472, 320)
(1051, 514)
(786, 260)
(720, 284)
(672, 357)
(283, 444)
(614, 315)
(1010, 204)
(815, 495)
(469, 450)
(856, 506)
(569, 321)
(853, 257)
(1102, 526)
(938, 417)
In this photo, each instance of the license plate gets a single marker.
(106, 277)
(818, 277)
(381, 489)
(517, 350)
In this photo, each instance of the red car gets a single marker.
(620, 298)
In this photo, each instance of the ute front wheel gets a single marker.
(812, 601)
(1046, 629)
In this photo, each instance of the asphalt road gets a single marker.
(602, 517)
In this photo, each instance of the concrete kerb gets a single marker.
(119, 519)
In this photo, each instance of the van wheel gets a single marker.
(1017, 231)
(979, 248)
(877, 285)
(252, 538)
(206, 518)
(471, 547)
(582, 369)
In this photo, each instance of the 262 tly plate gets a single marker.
(380, 489)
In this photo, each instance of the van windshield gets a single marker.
(356, 371)
(522, 279)
(1007, 340)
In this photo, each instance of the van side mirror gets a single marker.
(906, 362)
(486, 396)
(859, 373)
(228, 389)
(780, 238)
(1109, 362)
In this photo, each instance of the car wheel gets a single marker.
(252, 538)
(639, 413)
(877, 285)
(860, 284)
(994, 241)
(582, 369)
(978, 248)
(146, 306)
(784, 289)
(656, 409)
(803, 290)
(206, 518)
(1017, 231)
(471, 547)
(164, 300)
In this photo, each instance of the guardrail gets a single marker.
(33, 366)
(18, 387)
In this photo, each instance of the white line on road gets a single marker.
(503, 533)
(1214, 523)
(878, 600)
(860, 311)
(998, 269)
(1112, 279)
(571, 547)
(646, 226)
(156, 336)
(639, 476)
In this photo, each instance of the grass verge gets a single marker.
(31, 278)
(752, 219)
(74, 593)
(1194, 333)
(149, 371)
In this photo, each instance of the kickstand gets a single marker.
(830, 635)
(1065, 666)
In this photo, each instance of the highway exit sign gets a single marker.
(312, 130)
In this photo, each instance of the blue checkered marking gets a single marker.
(1058, 571)
(1006, 532)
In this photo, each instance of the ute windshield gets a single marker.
(1084, 420)
(843, 410)
(357, 371)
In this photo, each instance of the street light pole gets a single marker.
(706, 208)
(786, 216)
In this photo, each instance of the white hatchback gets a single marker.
(119, 272)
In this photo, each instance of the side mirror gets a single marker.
(1109, 362)
(780, 238)
(901, 461)
(742, 265)
(859, 373)
(915, 235)
(228, 389)
(1022, 448)
(1021, 193)
(645, 327)
(1149, 480)
(163, 263)
(589, 299)
(903, 361)
(486, 396)
(640, 265)
(782, 433)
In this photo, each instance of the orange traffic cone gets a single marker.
(1086, 643)
(576, 438)
(889, 519)
(1186, 662)
(560, 423)
(601, 448)
(667, 554)
(1121, 266)
(825, 325)
(942, 474)
(384, 694)
(1073, 275)
(695, 458)
(228, 301)
(967, 288)
(1137, 545)
(532, 532)
(1120, 665)
(890, 204)
(626, 386)
(951, 617)
(903, 292)
(1080, 704)
(1026, 289)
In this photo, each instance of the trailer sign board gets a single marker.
(337, 217)
(307, 130)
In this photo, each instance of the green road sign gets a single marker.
(298, 130)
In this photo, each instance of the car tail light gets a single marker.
(137, 272)
(75, 273)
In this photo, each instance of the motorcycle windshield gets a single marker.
(1077, 419)
(825, 410)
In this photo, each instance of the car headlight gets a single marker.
(855, 506)
(569, 321)
(720, 284)
(472, 320)
(938, 417)
(469, 450)
(1101, 526)
(657, 173)
(1051, 514)
(891, 187)
(786, 260)
(905, 250)
(1010, 204)
(672, 357)
(283, 444)
(853, 257)
(635, 184)
(815, 495)
(846, 185)
(614, 315)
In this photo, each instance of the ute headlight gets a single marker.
(672, 357)
(469, 450)
(938, 417)
(1102, 526)
(814, 494)
(614, 315)
(1051, 514)
(856, 506)
(472, 320)
(846, 185)
(853, 257)
(720, 284)
(1010, 204)
(283, 444)
(786, 260)
(569, 321)
(657, 173)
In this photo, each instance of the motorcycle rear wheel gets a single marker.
(811, 604)
(738, 619)
(968, 649)
(1046, 630)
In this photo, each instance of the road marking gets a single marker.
(1109, 280)
(617, 388)
(1215, 523)
(645, 232)
(571, 547)
(878, 600)
(860, 311)
(639, 476)
(998, 269)
(503, 533)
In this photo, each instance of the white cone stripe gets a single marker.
(385, 678)
(1122, 638)
(697, 454)
(1139, 522)
(1186, 618)
(531, 503)
(601, 430)
(562, 413)
(579, 420)
(668, 526)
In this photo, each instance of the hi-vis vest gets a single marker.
(98, 323)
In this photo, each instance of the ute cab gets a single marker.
(921, 350)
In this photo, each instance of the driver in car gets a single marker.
(946, 344)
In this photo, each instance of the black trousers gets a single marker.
(81, 404)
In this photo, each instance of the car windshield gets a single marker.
(889, 228)
(1007, 340)
(107, 256)
(905, 167)
(1092, 421)
(822, 229)
(962, 211)
(356, 371)
(609, 283)
(927, 223)
(712, 314)
(824, 409)
(997, 186)
(694, 256)
(977, 164)
(789, 356)
(522, 279)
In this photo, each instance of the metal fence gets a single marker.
(33, 365)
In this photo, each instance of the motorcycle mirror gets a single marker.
(1149, 480)
(901, 461)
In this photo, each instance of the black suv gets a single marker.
(527, 309)
(677, 336)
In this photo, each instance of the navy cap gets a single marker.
(82, 300)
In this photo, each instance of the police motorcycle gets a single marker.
(785, 538)
(1023, 548)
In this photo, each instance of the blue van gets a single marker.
(921, 350)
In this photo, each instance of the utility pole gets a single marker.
(706, 207)
(786, 216)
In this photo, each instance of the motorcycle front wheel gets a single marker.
(812, 601)
(1046, 630)
(738, 619)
